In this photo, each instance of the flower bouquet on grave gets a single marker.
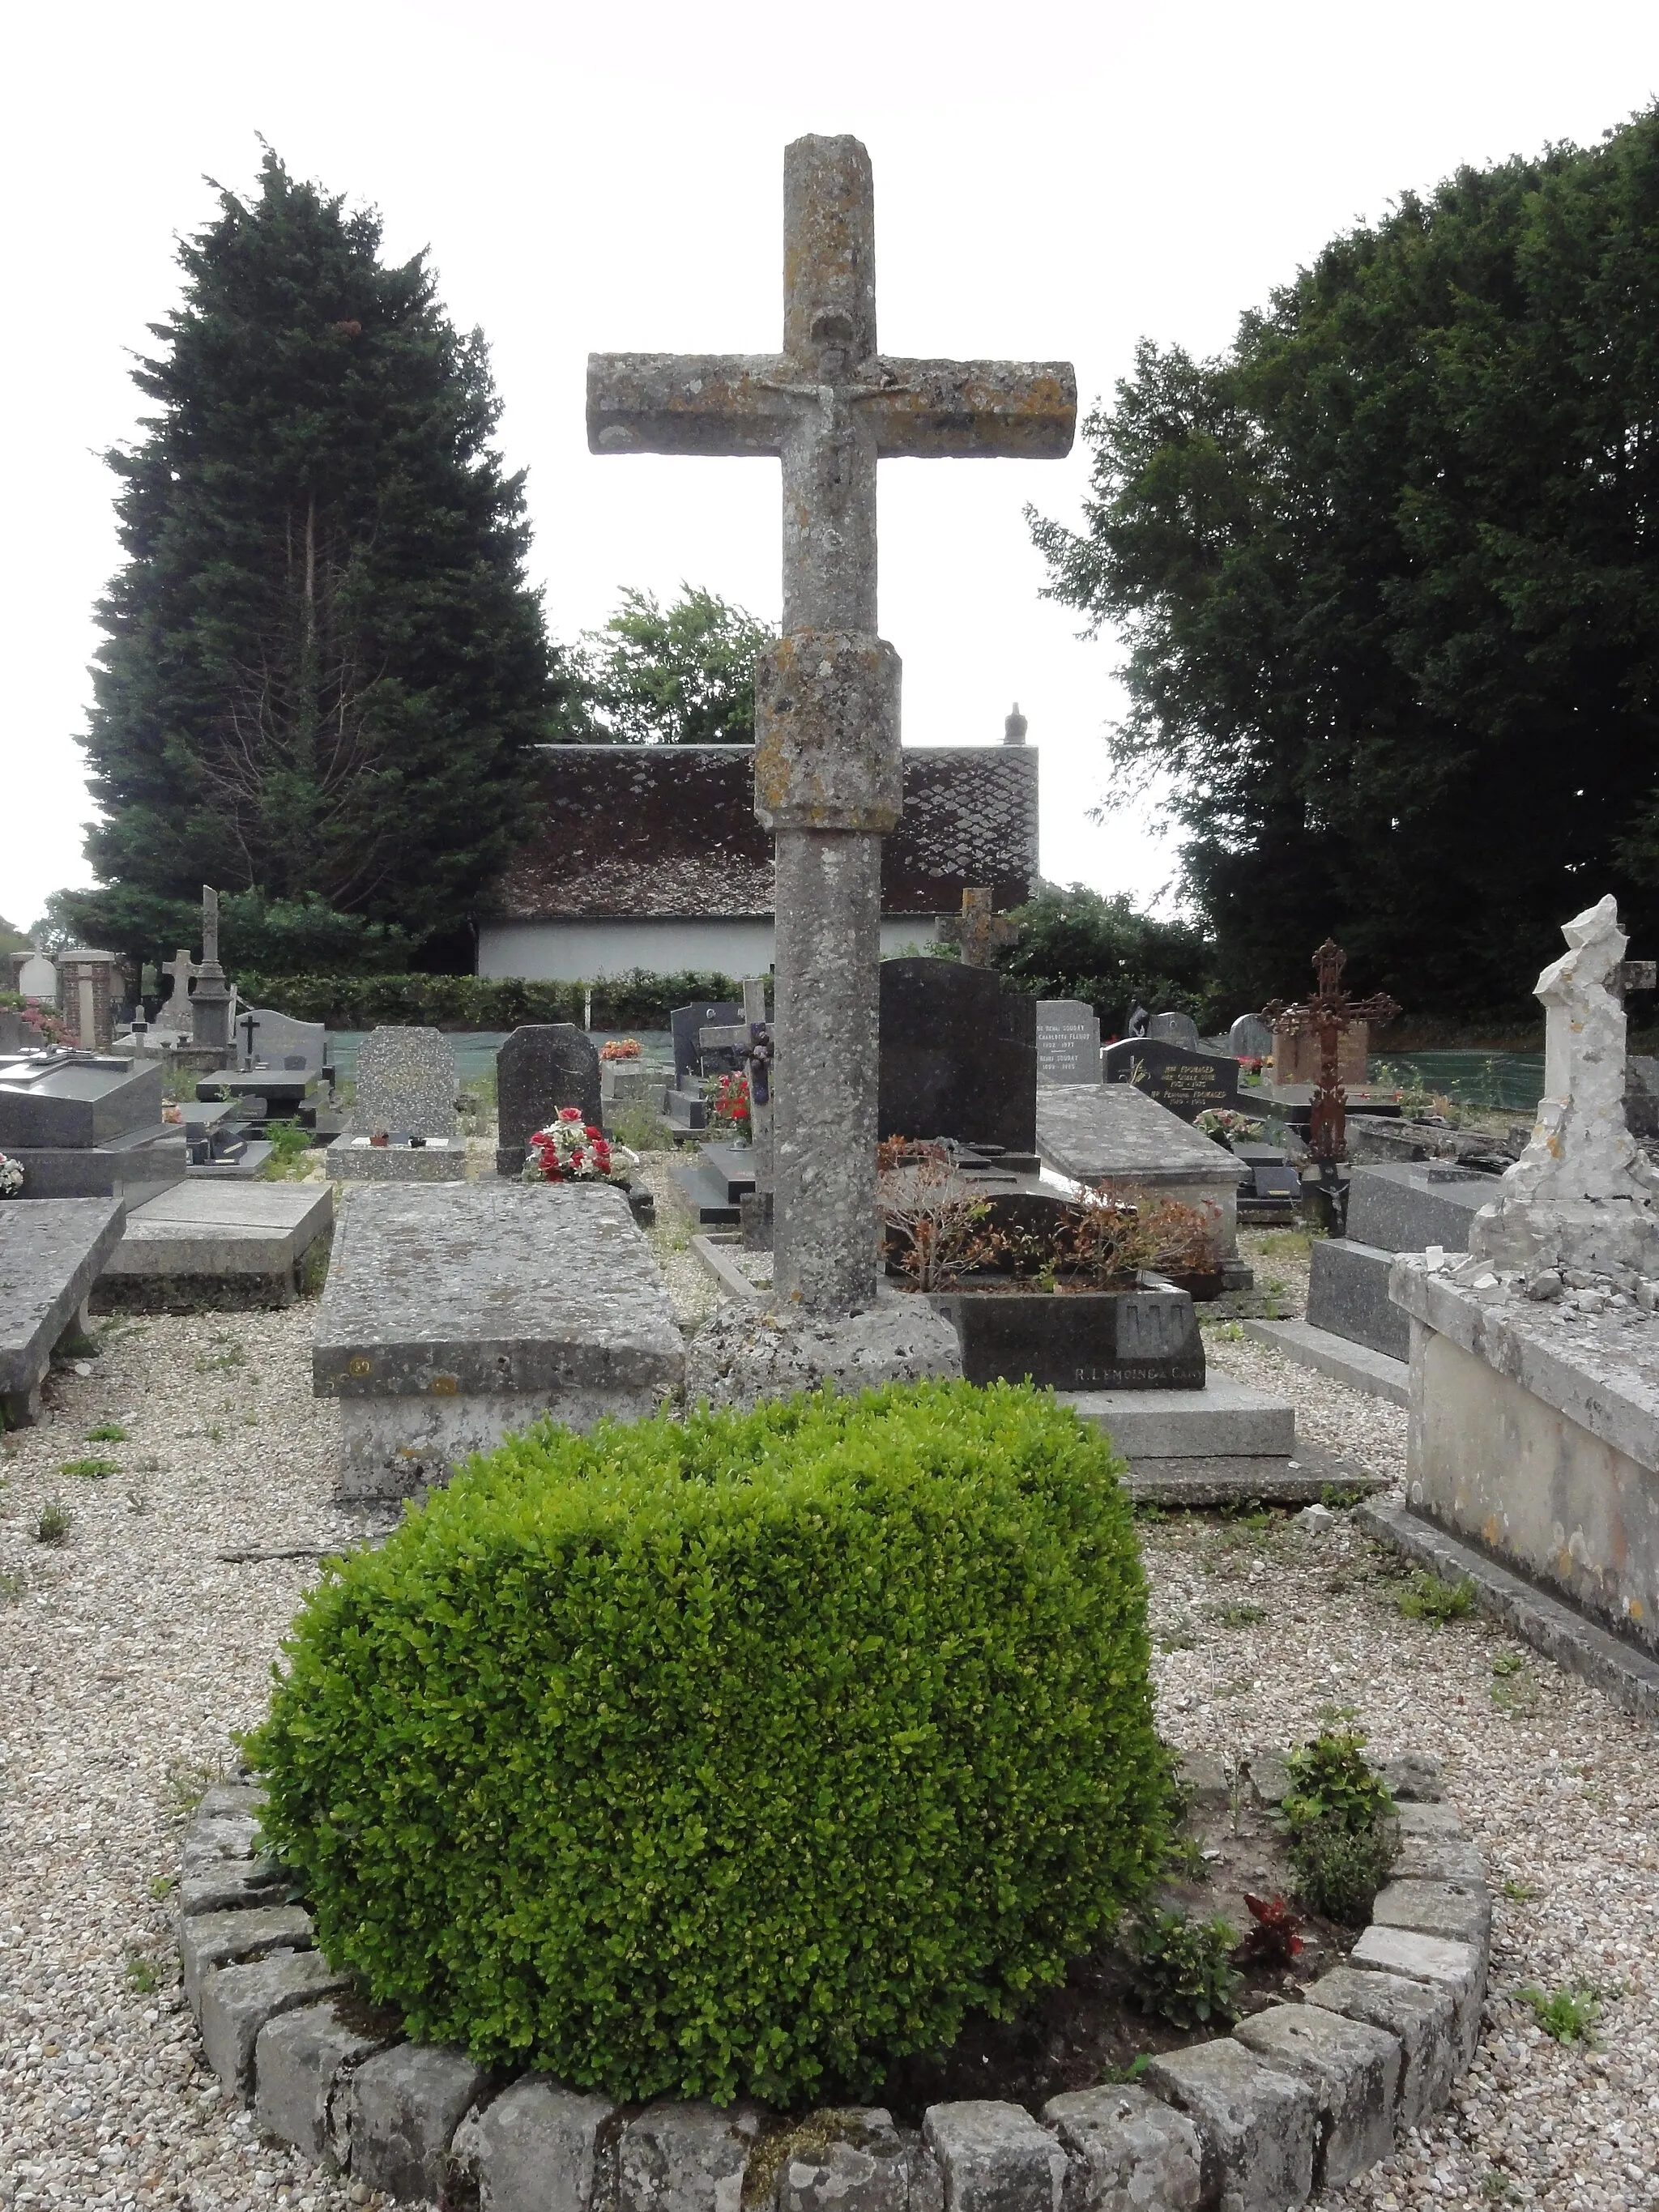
(620, 1049)
(729, 1103)
(11, 1176)
(570, 1150)
(1223, 1124)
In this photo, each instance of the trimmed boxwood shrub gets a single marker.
(747, 1753)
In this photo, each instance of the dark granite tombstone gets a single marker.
(541, 1066)
(1186, 1082)
(693, 1060)
(958, 1056)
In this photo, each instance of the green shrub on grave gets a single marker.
(744, 1754)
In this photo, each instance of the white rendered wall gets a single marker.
(582, 951)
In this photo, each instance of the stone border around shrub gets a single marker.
(1300, 2097)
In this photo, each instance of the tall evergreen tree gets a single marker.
(324, 669)
(1389, 578)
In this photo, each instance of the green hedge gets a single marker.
(744, 1754)
(638, 1000)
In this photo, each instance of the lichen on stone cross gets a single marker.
(977, 930)
(1581, 1191)
(828, 780)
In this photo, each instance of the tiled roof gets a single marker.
(669, 831)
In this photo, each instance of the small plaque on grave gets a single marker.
(1187, 1082)
(1067, 1041)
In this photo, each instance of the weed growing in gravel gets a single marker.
(1518, 1893)
(1182, 1969)
(230, 1355)
(90, 1470)
(1179, 1636)
(1426, 1597)
(161, 1885)
(108, 1432)
(1240, 1686)
(52, 1523)
(289, 1158)
(1184, 1861)
(143, 1978)
(75, 1346)
(1239, 1615)
(214, 1433)
(1570, 2016)
(1289, 1244)
(1339, 1816)
(1336, 1499)
(1508, 1663)
(187, 1783)
(1497, 2189)
(11, 1589)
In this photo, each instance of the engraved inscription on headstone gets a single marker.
(1187, 1082)
(1067, 1041)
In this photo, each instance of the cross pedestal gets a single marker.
(211, 1006)
(828, 785)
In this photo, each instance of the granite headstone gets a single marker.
(1249, 1038)
(1187, 1082)
(1173, 1028)
(279, 1040)
(541, 1066)
(405, 1084)
(958, 1056)
(693, 1059)
(1067, 1041)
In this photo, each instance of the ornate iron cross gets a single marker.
(1328, 1016)
(827, 781)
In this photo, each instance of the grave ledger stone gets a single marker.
(1117, 1133)
(1187, 1082)
(1067, 1041)
(541, 1066)
(827, 765)
(958, 1056)
(82, 1125)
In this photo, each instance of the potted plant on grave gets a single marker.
(620, 1049)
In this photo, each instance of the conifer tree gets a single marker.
(324, 669)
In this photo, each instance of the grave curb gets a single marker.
(1548, 1623)
(1304, 1344)
(964, 2147)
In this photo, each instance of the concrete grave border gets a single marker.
(1299, 2097)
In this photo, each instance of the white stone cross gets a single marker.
(827, 773)
(184, 971)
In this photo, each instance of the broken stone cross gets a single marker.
(752, 1038)
(828, 779)
(977, 930)
(176, 1012)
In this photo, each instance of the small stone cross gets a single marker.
(977, 929)
(1327, 1014)
(183, 971)
(828, 779)
(752, 1039)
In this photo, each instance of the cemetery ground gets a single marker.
(131, 1647)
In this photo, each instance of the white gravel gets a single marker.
(131, 1654)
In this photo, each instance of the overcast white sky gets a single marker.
(1051, 181)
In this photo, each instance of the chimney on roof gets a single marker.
(1014, 727)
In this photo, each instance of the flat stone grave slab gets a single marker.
(1115, 1133)
(76, 1100)
(218, 1244)
(51, 1252)
(458, 1313)
(137, 1166)
(1227, 1444)
(1402, 1206)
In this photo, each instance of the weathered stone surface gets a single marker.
(740, 1356)
(458, 1312)
(239, 1884)
(220, 1798)
(1129, 2151)
(1354, 2071)
(1270, 1776)
(76, 1100)
(1087, 1343)
(685, 2157)
(234, 1231)
(300, 2059)
(1419, 2015)
(1258, 2124)
(217, 1939)
(1205, 1779)
(827, 733)
(356, 1159)
(53, 1250)
(1437, 1859)
(1459, 1910)
(867, 2166)
(1117, 1133)
(994, 2158)
(404, 2106)
(406, 1081)
(1348, 1295)
(1413, 1777)
(534, 2148)
(541, 1066)
(214, 1837)
(1224, 1419)
(1458, 1968)
(1436, 1819)
(1249, 1038)
(1582, 1193)
(238, 2001)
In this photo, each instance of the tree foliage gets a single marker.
(323, 669)
(682, 675)
(1076, 944)
(1387, 572)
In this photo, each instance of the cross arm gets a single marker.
(1023, 410)
(677, 402)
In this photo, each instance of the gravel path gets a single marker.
(128, 1655)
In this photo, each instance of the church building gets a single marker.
(650, 857)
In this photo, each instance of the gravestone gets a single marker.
(1115, 1133)
(1187, 1082)
(1173, 1028)
(958, 1056)
(541, 1066)
(1067, 1041)
(37, 978)
(175, 1016)
(693, 1060)
(1249, 1038)
(278, 1040)
(86, 1126)
(406, 1081)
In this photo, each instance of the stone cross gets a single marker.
(752, 1038)
(1326, 1015)
(182, 969)
(977, 929)
(210, 1008)
(828, 772)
